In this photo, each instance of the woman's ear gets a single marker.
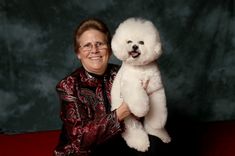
(78, 55)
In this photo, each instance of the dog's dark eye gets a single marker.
(141, 42)
(129, 41)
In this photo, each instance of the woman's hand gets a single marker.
(123, 111)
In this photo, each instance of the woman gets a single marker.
(89, 126)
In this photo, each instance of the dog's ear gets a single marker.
(158, 49)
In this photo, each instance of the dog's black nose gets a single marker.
(135, 47)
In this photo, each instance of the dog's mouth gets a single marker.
(134, 54)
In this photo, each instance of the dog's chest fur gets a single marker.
(141, 74)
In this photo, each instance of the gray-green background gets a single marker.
(198, 64)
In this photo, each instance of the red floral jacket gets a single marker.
(85, 111)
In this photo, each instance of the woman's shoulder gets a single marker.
(114, 67)
(70, 79)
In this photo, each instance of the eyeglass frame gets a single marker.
(89, 45)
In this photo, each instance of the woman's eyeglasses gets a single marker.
(98, 45)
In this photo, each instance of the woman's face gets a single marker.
(93, 51)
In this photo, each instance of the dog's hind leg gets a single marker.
(135, 135)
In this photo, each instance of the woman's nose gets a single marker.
(94, 48)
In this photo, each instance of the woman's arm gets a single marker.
(122, 111)
(82, 131)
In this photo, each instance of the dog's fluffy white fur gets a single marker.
(137, 44)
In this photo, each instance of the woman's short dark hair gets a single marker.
(91, 23)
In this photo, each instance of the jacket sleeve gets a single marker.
(81, 130)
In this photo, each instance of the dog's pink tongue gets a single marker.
(134, 54)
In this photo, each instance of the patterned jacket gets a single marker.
(85, 111)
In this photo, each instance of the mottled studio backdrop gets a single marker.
(198, 64)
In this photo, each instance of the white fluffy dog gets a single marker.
(137, 44)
